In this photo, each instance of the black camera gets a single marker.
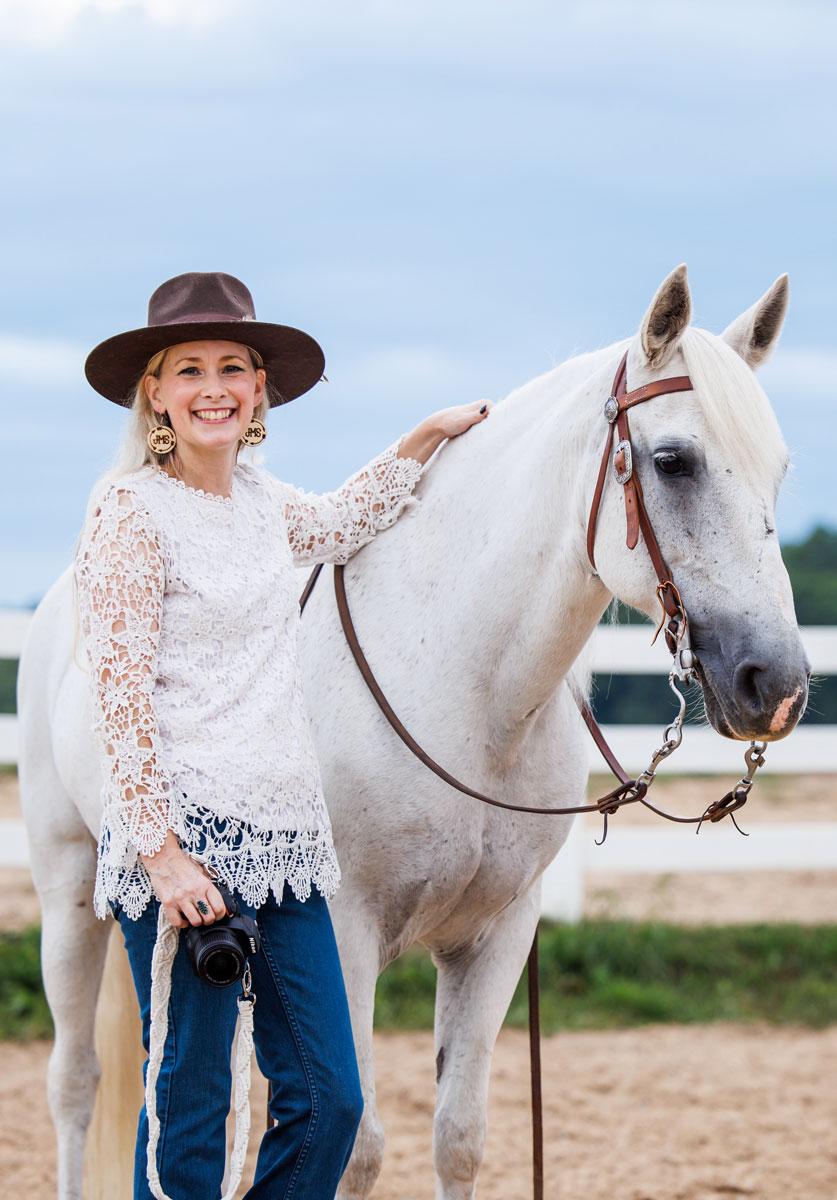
(219, 951)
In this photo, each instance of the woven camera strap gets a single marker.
(165, 949)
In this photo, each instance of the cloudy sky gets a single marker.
(451, 195)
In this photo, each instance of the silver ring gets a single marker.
(202, 908)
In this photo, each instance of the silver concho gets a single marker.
(611, 409)
(623, 476)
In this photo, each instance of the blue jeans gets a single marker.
(304, 1048)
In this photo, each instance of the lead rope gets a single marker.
(165, 949)
(533, 988)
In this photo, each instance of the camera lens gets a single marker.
(219, 959)
(222, 968)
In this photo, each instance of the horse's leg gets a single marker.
(474, 989)
(359, 942)
(73, 944)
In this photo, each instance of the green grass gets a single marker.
(595, 975)
(23, 1007)
(613, 974)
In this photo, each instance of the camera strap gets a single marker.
(165, 949)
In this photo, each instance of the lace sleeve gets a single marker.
(331, 527)
(120, 579)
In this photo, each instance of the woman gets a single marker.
(189, 610)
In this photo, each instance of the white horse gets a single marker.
(472, 610)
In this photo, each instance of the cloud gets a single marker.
(413, 373)
(41, 361)
(803, 371)
(509, 39)
(49, 20)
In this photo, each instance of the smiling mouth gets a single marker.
(214, 414)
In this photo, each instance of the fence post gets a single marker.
(562, 888)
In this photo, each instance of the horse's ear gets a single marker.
(754, 334)
(667, 318)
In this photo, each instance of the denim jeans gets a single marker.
(304, 1047)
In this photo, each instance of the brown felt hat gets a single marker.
(201, 306)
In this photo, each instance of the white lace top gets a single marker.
(189, 610)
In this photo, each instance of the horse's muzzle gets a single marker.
(756, 694)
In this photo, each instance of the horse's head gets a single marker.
(710, 461)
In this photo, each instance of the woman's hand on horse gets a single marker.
(181, 884)
(421, 443)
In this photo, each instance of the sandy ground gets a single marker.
(664, 1113)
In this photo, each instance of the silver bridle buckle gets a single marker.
(623, 476)
(611, 410)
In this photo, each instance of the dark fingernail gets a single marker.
(483, 409)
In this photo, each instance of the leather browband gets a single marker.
(636, 517)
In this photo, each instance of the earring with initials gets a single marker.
(161, 439)
(254, 434)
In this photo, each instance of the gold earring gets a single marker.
(161, 439)
(254, 434)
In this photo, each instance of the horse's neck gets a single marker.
(503, 534)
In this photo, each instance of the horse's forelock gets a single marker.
(735, 406)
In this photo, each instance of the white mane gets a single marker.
(735, 406)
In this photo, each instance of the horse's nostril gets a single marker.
(746, 682)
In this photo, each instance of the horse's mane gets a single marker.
(727, 391)
(735, 406)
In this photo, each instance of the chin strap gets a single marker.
(165, 949)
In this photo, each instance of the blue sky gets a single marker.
(450, 196)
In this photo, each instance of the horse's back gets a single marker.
(57, 766)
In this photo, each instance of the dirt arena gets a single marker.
(660, 1113)
(664, 1113)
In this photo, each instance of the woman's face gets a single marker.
(209, 390)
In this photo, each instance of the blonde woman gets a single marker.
(189, 612)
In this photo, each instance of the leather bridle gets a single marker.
(636, 515)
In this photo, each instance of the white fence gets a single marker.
(623, 650)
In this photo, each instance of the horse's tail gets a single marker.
(109, 1152)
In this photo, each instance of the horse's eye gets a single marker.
(669, 463)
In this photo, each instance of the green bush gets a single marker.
(812, 566)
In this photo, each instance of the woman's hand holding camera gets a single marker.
(182, 886)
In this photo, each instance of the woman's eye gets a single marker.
(670, 464)
(188, 371)
(233, 367)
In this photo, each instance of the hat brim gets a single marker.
(293, 361)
